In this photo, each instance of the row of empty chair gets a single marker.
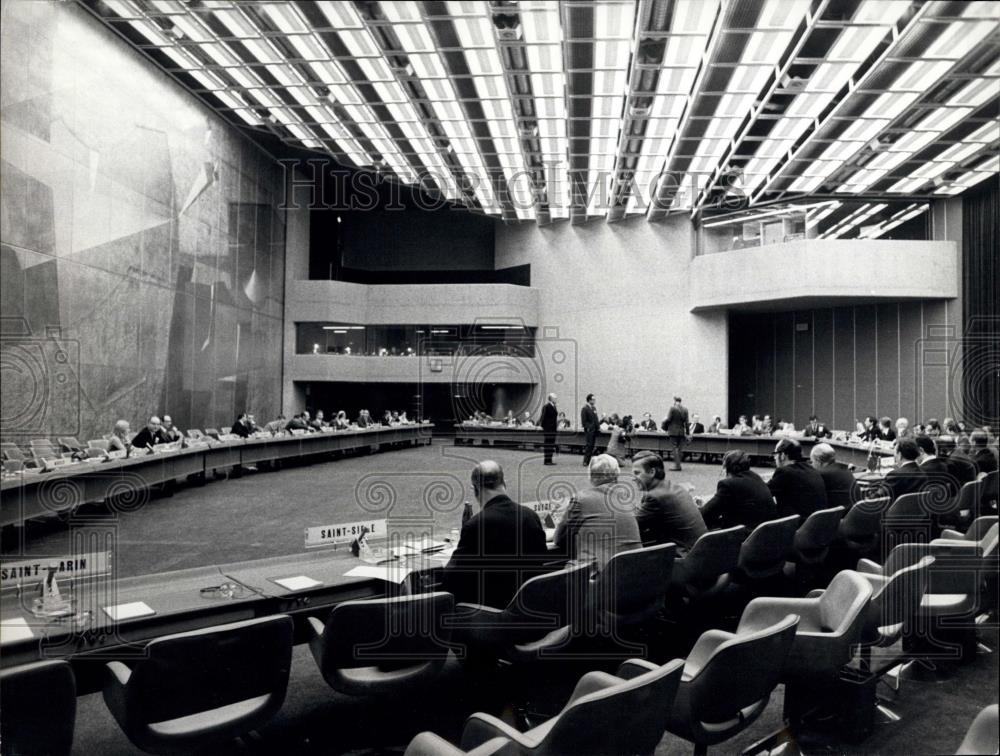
(195, 689)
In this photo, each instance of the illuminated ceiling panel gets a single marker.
(794, 96)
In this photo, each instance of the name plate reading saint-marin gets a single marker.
(343, 532)
(76, 566)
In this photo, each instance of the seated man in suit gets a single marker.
(500, 547)
(742, 427)
(695, 426)
(815, 429)
(907, 477)
(960, 467)
(841, 487)
(667, 513)
(595, 525)
(903, 429)
(984, 457)
(796, 486)
(741, 498)
(241, 427)
(169, 431)
(150, 435)
(934, 468)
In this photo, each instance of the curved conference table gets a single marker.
(31, 494)
(702, 443)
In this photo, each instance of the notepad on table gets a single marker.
(392, 574)
(129, 611)
(296, 583)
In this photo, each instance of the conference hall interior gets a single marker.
(499, 377)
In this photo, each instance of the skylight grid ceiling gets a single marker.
(547, 110)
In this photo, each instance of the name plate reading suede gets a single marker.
(344, 532)
(541, 507)
(76, 566)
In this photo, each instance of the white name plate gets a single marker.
(541, 507)
(344, 532)
(79, 566)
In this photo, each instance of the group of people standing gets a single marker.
(677, 426)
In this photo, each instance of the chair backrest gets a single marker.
(635, 579)
(194, 672)
(769, 543)
(12, 451)
(39, 708)
(626, 717)
(819, 530)
(863, 520)
(714, 553)
(13, 465)
(983, 733)
(897, 600)
(551, 601)
(911, 505)
(756, 659)
(69, 443)
(213, 432)
(979, 527)
(40, 442)
(402, 629)
(93, 453)
(843, 603)
(44, 451)
(100, 444)
(969, 496)
(194, 433)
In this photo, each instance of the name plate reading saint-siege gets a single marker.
(344, 532)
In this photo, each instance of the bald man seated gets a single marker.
(500, 547)
(150, 435)
(596, 524)
(841, 485)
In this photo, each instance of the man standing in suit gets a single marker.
(841, 487)
(500, 547)
(675, 424)
(595, 526)
(796, 486)
(549, 422)
(589, 421)
(667, 513)
(907, 477)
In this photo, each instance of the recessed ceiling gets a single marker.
(606, 108)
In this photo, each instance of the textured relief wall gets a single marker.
(142, 249)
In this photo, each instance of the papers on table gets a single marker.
(390, 573)
(129, 611)
(297, 583)
(15, 629)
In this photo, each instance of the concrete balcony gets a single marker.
(812, 273)
(337, 301)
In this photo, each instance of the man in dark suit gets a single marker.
(590, 422)
(982, 455)
(595, 526)
(695, 426)
(241, 428)
(675, 424)
(841, 486)
(150, 435)
(549, 422)
(934, 468)
(500, 547)
(815, 429)
(907, 477)
(961, 468)
(741, 498)
(796, 486)
(667, 513)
